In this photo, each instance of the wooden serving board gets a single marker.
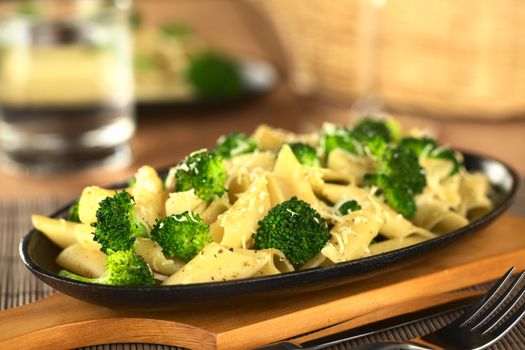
(60, 321)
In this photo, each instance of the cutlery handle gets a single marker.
(382, 320)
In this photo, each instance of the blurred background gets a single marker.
(204, 68)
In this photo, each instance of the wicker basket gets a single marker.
(445, 58)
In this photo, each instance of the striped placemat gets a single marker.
(18, 286)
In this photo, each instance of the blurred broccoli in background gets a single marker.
(305, 154)
(295, 228)
(376, 135)
(348, 206)
(234, 144)
(117, 223)
(370, 127)
(427, 147)
(181, 236)
(204, 172)
(214, 75)
(73, 212)
(335, 136)
(123, 268)
(175, 30)
(400, 178)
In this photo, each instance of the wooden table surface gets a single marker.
(164, 138)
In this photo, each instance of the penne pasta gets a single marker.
(273, 203)
(59, 231)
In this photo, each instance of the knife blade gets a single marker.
(334, 335)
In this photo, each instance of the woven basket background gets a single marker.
(445, 58)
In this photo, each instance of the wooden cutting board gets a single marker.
(60, 321)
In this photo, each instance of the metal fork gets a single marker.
(480, 326)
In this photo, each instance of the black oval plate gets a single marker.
(38, 254)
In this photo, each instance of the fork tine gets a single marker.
(476, 308)
(506, 326)
(511, 306)
(491, 311)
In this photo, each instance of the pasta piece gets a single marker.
(316, 261)
(240, 221)
(271, 139)
(351, 238)
(329, 175)
(276, 194)
(276, 260)
(84, 236)
(149, 195)
(247, 162)
(151, 252)
(291, 178)
(82, 261)
(217, 263)
(89, 202)
(59, 231)
(474, 191)
(440, 183)
(179, 202)
(169, 182)
(395, 243)
(214, 209)
(434, 215)
(239, 184)
(354, 166)
(394, 224)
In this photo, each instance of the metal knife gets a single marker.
(455, 301)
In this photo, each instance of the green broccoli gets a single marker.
(369, 128)
(181, 236)
(335, 136)
(234, 144)
(73, 212)
(305, 154)
(117, 223)
(215, 76)
(203, 171)
(427, 147)
(348, 206)
(175, 30)
(295, 228)
(123, 268)
(400, 178)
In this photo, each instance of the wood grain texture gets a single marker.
(63, 322)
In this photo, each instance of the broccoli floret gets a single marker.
(181, 236)
(175, 30)
(123, 268)
(295, 228)
(427, 147)
(399, 178)
(117, 223)
(204, 172)
(234, 144)
(73, 212)
(348, 206)
(369, 128)
(305, 154)
(214, 75)
(335, 136)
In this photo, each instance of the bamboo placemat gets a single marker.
(18, 286)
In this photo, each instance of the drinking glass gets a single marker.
(66, 84)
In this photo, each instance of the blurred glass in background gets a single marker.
(66, 84)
